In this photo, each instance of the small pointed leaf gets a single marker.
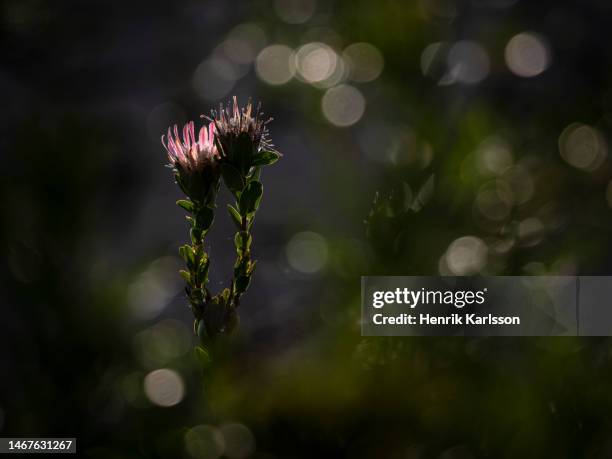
(250, 197)
(185, 204)
(236, 218)
(232, 178)
(265, 158)
(185, 275)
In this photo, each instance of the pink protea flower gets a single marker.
(241, 133)
(189, 154)
(233, 121)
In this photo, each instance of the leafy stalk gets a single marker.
(200, 217)
(243, 215)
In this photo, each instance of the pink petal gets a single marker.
(192, 132)
(186, 139)
(211, 133)
(163, 142)
(202, 136)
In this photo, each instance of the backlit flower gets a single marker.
(241, 132)
(190, 154)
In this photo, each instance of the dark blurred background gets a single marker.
(426, 137)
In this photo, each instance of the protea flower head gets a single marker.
(191, 154)
(241, 133)
(195, 160)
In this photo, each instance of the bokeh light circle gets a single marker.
(494, 156)
(153, 290)
(315, 62)
(214, 78)
(343, 105)
(307, 252)
(468, 62)
(466, 256)
(527, 54)
(583, 147)
(244, 42)
(204, 442)
(364, 60)
(275, 64)
(494, 200)
(164, 387)
(238, 439)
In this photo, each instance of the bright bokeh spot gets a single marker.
(494, 200)
(275, 64)
(583, 147)
(527, 54)
(164, 387)
(365, 62)
(466, 256)
(343, 105)
(307, 252)
(315, 62)
(494, 156)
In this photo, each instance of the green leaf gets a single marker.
(236, 218)
(242, 283)
(196, 235)
(186, 253)
(243, 240)
(265, 158)
(181, 183)
(203, 268)
(232, 178)
(185, 275)
(185, 204)
(204, 218)
(189, 256)
(250, 197)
